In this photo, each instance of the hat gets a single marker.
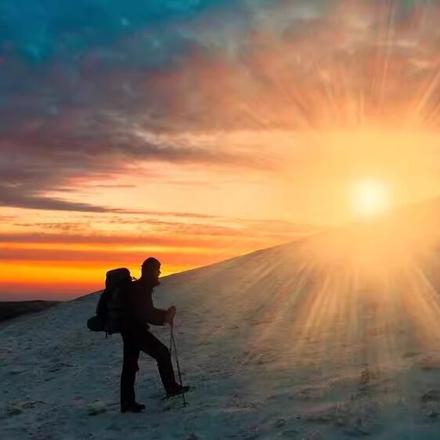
(151, 262)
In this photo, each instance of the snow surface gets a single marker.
(273, 346)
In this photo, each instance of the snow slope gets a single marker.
(289, 342)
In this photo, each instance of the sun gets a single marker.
(370, 198)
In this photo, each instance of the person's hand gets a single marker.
(169, 317)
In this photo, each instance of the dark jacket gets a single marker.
(139, 310)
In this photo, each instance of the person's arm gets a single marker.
(154, 315)
(144, 310)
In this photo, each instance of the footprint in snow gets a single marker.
(431, 396)
(430, 404)
(17, 407)
(95, 408)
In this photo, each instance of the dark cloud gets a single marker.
(70, 80)
(47, 158)
(46, 203)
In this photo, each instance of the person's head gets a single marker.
(150, 269)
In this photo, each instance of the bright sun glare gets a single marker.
(370, 198)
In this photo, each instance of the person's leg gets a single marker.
(154, 348)
(129, 369)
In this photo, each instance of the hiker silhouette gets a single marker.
(137, 312)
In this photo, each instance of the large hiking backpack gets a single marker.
(110, 304)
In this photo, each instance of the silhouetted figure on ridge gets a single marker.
(138, 312)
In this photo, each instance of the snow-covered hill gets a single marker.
(299, 341)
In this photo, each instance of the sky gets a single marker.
(199, 130)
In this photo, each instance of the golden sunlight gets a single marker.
(370, 198)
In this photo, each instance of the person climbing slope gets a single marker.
(138, 311)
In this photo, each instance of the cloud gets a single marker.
(47, 159)
(45, 203)
(157, 229)
(176, 244)
(89, 90)
(104, 256)
(69, 82)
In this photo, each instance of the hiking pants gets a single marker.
(143, 340)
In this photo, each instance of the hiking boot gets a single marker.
(178, 389)
(132, 407)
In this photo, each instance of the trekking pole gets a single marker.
(179, 373)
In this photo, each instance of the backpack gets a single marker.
(110, 305)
